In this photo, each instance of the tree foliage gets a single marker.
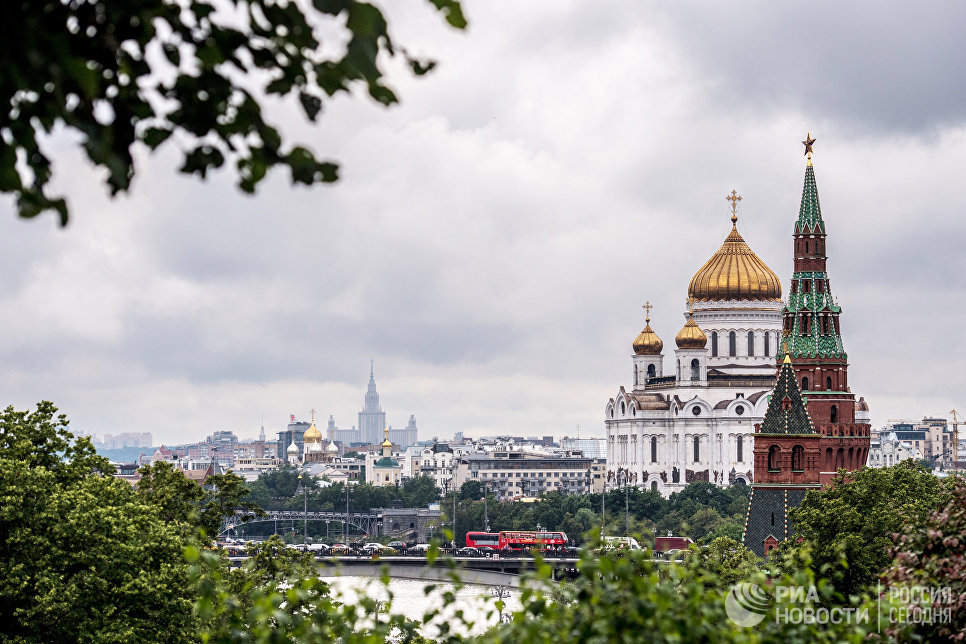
(83, 558)
(123, 72)
(933, 556)
(184, 501)
(851, 521)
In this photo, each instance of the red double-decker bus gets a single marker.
(517, 540)
(489, 540)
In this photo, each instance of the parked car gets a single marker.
(469, 551)
(419, 548)
(339, 549)
(398, 545)
(320, 548)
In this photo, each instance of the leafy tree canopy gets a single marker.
(123, 72)
(83, 558)
(852, 520)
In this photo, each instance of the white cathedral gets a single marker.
(695, 422)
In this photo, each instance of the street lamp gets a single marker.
(627, 517)
(486, 516)
(305, 509)
(345, 522)
(603, 508)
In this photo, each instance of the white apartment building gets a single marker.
(514, 475)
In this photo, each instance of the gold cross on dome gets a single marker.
(734, 198)
(312, 411)
(647, 311)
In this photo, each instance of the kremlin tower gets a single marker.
(813, 339)
(813, 426)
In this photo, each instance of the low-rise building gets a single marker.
(515, 475)
(886, 450)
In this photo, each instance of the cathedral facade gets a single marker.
(691, 418)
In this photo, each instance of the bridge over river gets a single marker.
(485, 571)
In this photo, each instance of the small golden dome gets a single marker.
(647, 343)
(734, 273)
(691, 336)
(312, 434)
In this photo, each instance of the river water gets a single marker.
(410, 599)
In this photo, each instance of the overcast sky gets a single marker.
(494, 237)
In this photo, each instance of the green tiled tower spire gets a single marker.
(810, 212)
(811, 317)
(786, 412)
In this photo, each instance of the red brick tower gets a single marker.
(787, 458)
(813, 338)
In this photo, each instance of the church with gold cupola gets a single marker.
(692, 417)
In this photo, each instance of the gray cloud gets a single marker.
(494, 237)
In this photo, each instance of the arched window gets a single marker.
(697, 449)
(695, 370)
(714, 344)
(828, 459)
(623, 409)
(654, 449)
(834, 414)
(732, 344)
(804, 383)
(806, 247)
(773, 518)
(828, 383)
(651, 371)
(798, 458)
(767, 343)
(773, 453)
(635, 376)
(751, 343)
(741, 448)
(654, 485)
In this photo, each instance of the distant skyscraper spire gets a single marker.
(261, 434)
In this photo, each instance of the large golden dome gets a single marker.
(312, 434)
(691, 336)
(734, 273)
(647, 343)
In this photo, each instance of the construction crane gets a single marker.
(955, 441)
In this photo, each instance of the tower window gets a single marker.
(773, 518)
(697, 449)
(767, 344)
(804, 383)
(623, 409)
(773, 453)
(732, 344)
(654, 449)
(798, 458)
(651, 371)
(695, 370)
(751, 343)
(820, 285)
(828, 383)
(714, 344)
(741, 448)
(834, 414)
